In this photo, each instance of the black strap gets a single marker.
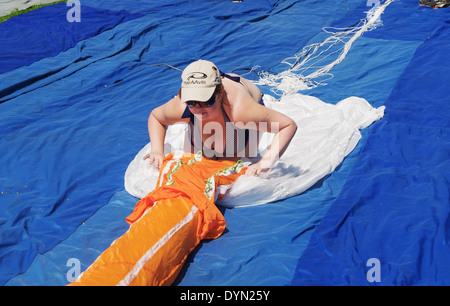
(233, 78)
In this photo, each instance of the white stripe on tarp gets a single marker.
(161, 242)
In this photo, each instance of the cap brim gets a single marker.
(197, 94)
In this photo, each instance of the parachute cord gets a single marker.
(163, 64)
(306, 63)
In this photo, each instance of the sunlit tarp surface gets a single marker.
(74, 103)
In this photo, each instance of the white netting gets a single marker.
(311, 67)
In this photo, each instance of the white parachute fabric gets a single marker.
(326, 134)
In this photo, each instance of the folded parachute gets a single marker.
(167, 224)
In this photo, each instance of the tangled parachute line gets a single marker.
(308, 68)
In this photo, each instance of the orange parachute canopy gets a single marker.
(167, 224)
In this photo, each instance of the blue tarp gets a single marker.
(73, 115)
(43, 33)
(395, 204)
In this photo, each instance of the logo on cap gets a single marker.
(196, 78)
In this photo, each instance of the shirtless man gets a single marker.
(208, 96)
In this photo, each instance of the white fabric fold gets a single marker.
(326, 134)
